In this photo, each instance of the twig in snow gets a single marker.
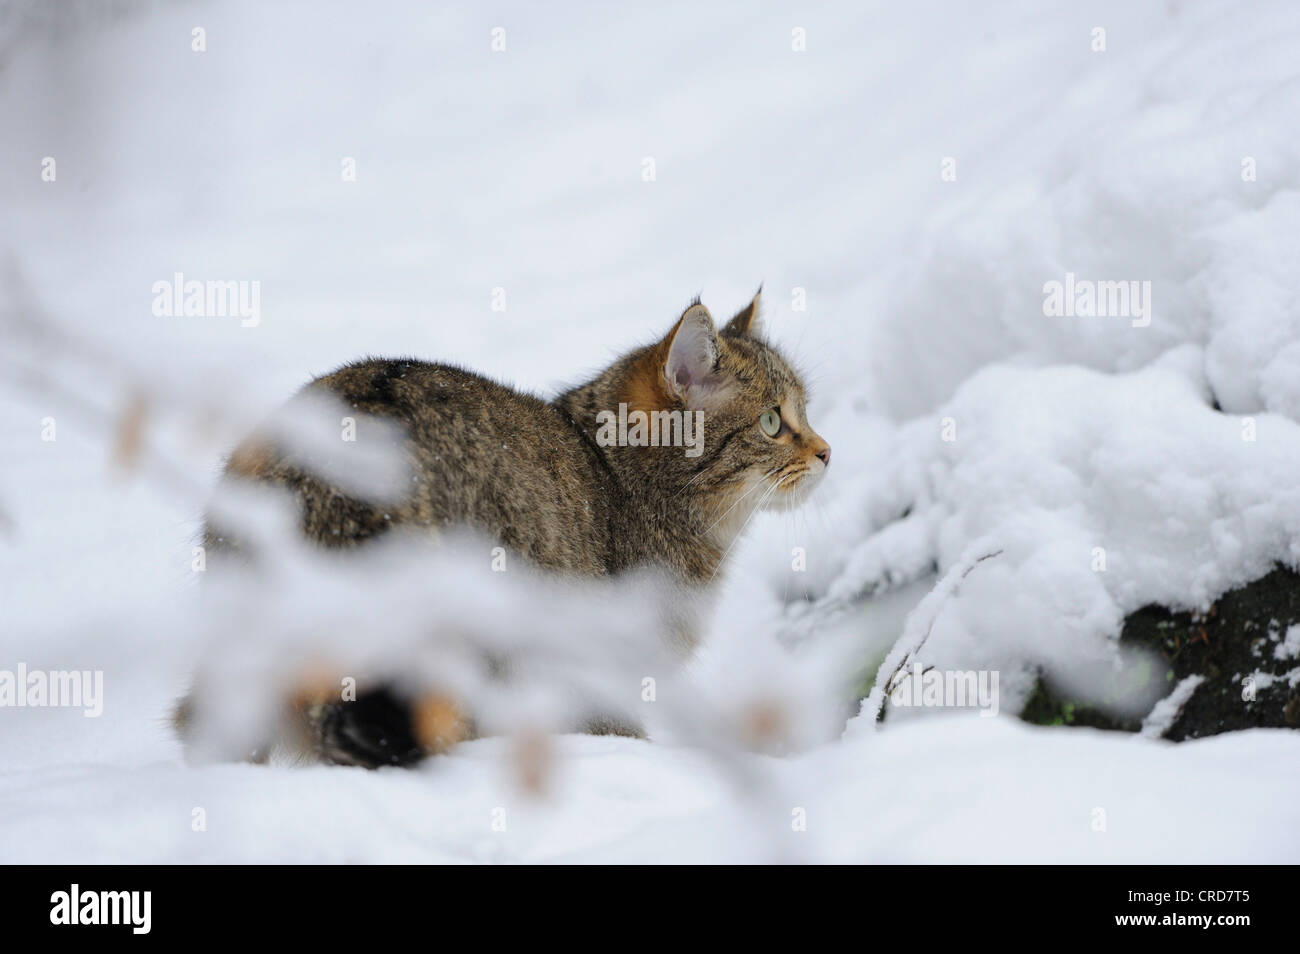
(905, 650)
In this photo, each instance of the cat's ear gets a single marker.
(689, 368)
(746, 321)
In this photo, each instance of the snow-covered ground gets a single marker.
(905, 186)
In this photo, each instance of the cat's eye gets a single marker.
(770, 422)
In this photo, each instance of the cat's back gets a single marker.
(424, 394)
(480, 453)
(456, 419)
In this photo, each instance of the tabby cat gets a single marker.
(571, 484)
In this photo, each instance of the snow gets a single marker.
(1289, 646)
(939, 791)
(1089, 520)
(990, 459)
(1164, 712)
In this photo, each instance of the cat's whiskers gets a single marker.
(735, 504)
(723, 559)
(762, 477)
(688, 483)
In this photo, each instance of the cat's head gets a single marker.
(757, 447)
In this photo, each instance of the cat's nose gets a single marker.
(821, 450)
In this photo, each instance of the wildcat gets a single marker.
(545, 480)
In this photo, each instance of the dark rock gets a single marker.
(1228, 646)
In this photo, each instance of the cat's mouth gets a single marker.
(792, 486)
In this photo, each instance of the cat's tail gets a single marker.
(381, 726)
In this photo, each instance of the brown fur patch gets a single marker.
(317, 684)
(251, 459)
(644, 387)
(439, 723)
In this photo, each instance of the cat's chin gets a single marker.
(797, 494)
